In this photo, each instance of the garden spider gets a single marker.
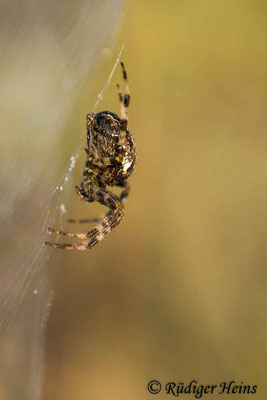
(110, 160)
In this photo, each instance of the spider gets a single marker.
(110, 160)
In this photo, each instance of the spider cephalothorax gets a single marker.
(110, 160)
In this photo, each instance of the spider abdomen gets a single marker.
(104, 131)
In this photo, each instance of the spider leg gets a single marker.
(124, 104)
(113, 218)
(83, 220)
(83, 236)
(124, 115)
(103, 229)
(127, 95)
(86, 220)
(67, 246)
(126, 189)
(80, 192)
(124, 194)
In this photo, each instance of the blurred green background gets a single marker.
(178, 291)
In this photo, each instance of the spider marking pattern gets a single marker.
(110, 160)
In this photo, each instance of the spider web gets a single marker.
(17, 286)
(26, 295)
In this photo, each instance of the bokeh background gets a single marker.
(178, 291)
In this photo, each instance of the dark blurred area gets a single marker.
(178, 291)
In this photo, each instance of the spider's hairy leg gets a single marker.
(127, 95)
(81, 193)
(126, 189)
(121, 100)
(112, 219)
(124, 104)
(83, 236)
(124, 194)
(124, 117)
(83, 220)
(87, 220)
